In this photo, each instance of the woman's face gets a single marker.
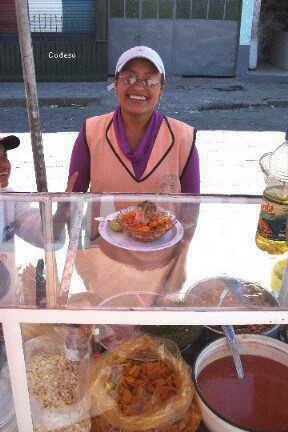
(134, 96)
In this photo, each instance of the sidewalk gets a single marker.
(228, 161)
(199, 93)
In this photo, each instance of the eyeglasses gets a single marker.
(131, 79)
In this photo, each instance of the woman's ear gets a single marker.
(116, 87)
(163, 84)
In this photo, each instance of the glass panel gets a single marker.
(216, 9)
(7, 411)
(21, 252)
(132, 8)
(199, 9)
(116, 8)
(165, 8)
(136, 250)
(233, 11)
(128, 263)
(149, 9)
(183, 9)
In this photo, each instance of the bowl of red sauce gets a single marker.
(258, 403)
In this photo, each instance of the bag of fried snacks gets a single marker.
(142, 385)
(55, 382)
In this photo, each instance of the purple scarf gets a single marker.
(139, 158)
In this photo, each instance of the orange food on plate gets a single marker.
(146, 222)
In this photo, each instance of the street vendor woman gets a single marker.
(145, 151)
(134, 149)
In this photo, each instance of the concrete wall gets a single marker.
(274, 17)
(188, 47)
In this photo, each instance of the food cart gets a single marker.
(110, 281)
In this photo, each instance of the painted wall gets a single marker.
(246, 22)
(79, 16)
(8, 22)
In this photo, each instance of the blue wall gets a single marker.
(246, 22)
(79, 15)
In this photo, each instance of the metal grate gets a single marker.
(46, 23)
(176, 9)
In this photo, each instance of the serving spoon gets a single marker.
(233, 345)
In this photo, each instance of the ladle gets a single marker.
(233, 345)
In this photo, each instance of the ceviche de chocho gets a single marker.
(145, 222)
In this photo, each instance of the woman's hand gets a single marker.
(62, 214)
(72, 181)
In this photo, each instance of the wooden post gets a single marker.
(28, 70)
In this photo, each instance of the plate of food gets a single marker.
(144, 227)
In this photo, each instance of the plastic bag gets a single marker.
(141, 385)
(57, 394)
(189, 422)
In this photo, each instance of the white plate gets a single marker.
(122, 239)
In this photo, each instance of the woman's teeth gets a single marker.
(135, 97)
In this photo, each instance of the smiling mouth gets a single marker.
(3, 173)
(137, 98)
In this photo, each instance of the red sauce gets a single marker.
(258, 402)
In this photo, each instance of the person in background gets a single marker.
(18, 218)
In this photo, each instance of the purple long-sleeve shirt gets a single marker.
(80, 158)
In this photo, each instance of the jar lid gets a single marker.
(278, 163)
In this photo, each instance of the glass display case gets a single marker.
(89, 279)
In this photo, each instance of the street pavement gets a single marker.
(206, 103)
(228, 160)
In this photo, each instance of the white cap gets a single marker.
(140, 52)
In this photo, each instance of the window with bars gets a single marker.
(176, 9)
(62, 16)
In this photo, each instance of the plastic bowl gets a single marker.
(113, 335)
(249, 344)
(273, 331)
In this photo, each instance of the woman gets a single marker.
(135, 149)
(146, 151)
